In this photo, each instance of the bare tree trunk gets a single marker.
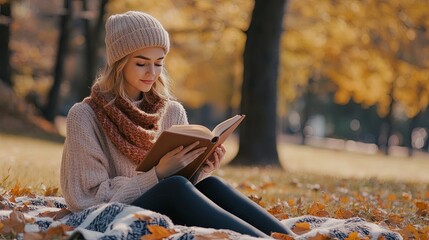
(5, 20)
(258, 143)
(51, 107)
(92, 36)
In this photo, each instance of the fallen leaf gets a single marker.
(317, 209)
(142, 217)
(407, 197)
(301, 228)
(281, 236)
(319, 237)
(267, 185)
(14, 224)
(158, 232)
(423, 208)
(352, 236)
(55, 214)
(410, 232)
(344, 200)
(277, 209)
(51, 191)
(395, 219)
(34, 236)
(212, 236)
(342, 213)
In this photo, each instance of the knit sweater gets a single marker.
(94, 171)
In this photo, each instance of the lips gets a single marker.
(147, 81)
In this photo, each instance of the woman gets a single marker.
(110, 131)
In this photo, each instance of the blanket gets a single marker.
(28, 217)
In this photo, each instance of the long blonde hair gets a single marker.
(112, 79)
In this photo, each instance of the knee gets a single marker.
(178, 183)
(213, 181)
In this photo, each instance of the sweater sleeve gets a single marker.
(87, 174)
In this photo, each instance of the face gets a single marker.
(142, 70)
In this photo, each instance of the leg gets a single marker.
(236, 203)
(177, 198)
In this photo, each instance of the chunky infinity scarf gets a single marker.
(131, 128)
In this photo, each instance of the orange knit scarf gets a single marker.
(132, 129)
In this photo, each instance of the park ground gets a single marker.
(392, 191)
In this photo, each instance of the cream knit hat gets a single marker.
(131, 31)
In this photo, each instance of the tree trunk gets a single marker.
(258, 143)
(409, 135)
(5, 20)
(92, 36)
(52, 104)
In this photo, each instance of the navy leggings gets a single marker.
(211, 203)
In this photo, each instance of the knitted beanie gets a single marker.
(131, 31)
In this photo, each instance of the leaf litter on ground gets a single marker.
(400, 206)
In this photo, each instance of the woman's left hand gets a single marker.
(213, 162)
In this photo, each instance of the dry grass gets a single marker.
(385, 190)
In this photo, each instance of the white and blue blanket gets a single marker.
(120, 221)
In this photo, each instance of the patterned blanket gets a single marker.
(41, 217)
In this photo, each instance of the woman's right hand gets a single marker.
(177, 159)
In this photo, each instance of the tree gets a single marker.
(5, 19)
(50, 109)
(258, 145)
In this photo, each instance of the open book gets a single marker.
(184, 135)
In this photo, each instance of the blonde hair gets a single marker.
(112, 79)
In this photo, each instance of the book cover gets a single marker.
(184, 135)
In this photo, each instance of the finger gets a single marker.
(191, 156)
(190, 147)
(223, 147)
(174, 151)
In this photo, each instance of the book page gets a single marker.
(223, 126)
(192, 130)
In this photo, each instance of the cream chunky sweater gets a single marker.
(94, 171)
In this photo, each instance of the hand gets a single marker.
(213, 162)
(177, 159)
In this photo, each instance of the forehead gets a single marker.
(150, 52)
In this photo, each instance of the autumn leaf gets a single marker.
(51, 191)
(142, 217)
(410, 232)
(281, 236)
(407, 196)
(14, 224)
(377, 214)
(395, 219)
(342, 213)
(353, 236)
(212, 236)
(319, 236)
(344, 200)
(34, 236)
(267, 185)
(17, 191)
(59, 230)
(301, 228)
(318, 209)
(53, 233)
(423, 208)
(55, 215)
(158, 232)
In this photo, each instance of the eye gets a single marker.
(158, 64)
(140, 64)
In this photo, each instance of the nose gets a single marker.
(150, 70)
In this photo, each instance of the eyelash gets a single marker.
(142, 65)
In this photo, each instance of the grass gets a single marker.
(382, 189)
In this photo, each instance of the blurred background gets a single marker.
(350, 75)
